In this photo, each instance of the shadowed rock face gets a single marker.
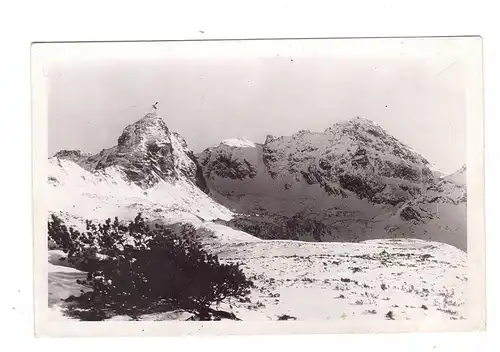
(357, 155)
(226, 165)
(147, 151)
(275, 227)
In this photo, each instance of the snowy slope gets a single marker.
(353, 281)
(109, 193)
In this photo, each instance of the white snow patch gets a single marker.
(107, 194)
(238, 142)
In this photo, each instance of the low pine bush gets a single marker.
(140, 268)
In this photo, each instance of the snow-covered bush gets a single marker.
(140, 268)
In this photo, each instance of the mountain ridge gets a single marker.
(334, 185)
(352, 182)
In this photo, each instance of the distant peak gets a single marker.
(238, 142)
(461, 171)
(458, 176)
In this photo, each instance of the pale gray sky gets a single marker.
(416, 95)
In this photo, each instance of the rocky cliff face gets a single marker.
(147, 151)
(233, 159)
(356, 156)
(341, 184)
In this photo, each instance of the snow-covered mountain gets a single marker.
(354, 181)
(148, 152)
(150, 170)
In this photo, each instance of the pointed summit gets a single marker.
(148, 152)
(149, 129)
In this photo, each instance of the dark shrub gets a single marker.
(138, 268)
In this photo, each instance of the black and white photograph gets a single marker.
(257, 186)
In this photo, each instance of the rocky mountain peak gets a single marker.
(365, 133)
(358, 155)
(147, 152)
(151, 129)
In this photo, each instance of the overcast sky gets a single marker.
(221, 90)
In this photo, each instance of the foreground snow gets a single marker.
(413, 279)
